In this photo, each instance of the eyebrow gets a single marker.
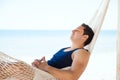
(77, 29)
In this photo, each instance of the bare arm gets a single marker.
(80, 60)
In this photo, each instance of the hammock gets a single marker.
(14, 69)
(97, 21)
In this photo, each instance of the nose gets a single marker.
(73, 30)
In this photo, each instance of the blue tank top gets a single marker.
(61, 59)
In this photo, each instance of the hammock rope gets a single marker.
(14, 69)
(97, 21)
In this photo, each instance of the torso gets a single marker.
(63, 58)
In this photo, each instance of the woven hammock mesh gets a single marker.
(14, 69)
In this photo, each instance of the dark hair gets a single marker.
(87, 31)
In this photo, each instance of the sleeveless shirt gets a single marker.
(61, 59)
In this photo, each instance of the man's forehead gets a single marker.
(80, 27)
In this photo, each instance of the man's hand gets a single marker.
(41, 64)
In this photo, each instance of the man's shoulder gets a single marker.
(82, 52)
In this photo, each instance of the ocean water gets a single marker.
(28, 45)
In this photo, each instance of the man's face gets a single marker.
(78, 32)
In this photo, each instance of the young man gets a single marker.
(74, 56)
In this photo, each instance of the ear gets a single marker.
(85, 37)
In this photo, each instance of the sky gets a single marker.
(52, 14)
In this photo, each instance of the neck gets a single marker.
(74, 46)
